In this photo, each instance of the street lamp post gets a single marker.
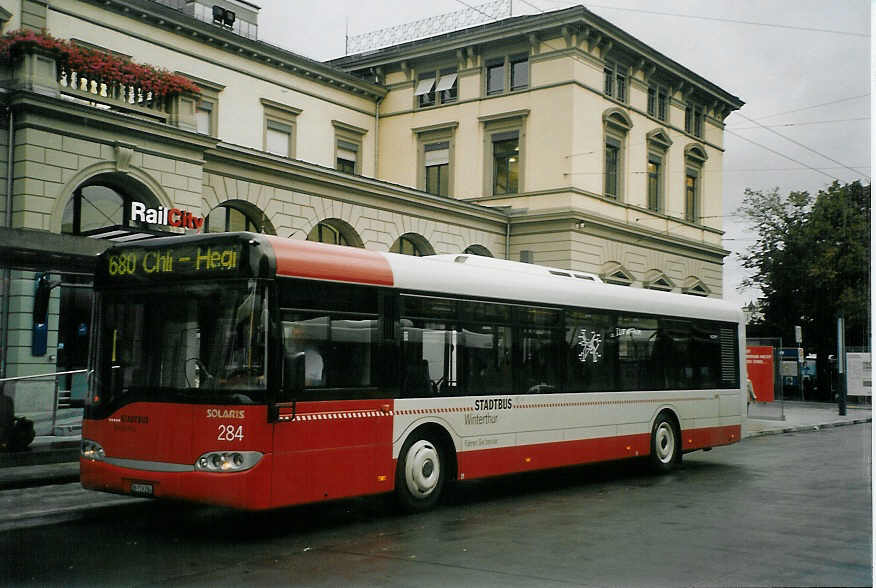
(841, 363)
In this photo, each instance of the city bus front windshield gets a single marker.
(200, 343)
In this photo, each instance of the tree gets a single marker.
(811, 261)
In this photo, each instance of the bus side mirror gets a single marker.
(293, 375)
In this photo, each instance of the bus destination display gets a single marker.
(175, 261)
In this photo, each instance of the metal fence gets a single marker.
(63, 405)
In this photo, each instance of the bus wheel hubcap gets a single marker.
(422, 468)
(664, 441)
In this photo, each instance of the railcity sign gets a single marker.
(171, 217)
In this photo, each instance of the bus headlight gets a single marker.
(227, 461)
(91, 450)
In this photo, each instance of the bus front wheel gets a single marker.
(665, 444)
(420, 474)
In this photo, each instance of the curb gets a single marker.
(58, 453)
(62, 514)
(808, 428)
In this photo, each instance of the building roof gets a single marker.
(576, 19)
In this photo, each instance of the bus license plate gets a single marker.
(141, 489)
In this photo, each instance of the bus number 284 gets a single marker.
(230, 433)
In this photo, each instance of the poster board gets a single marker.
(860, 374)
(760, 364)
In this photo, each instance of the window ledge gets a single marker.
(431, 106)
(522, 113)
(349, 128)
(436, 127)
(281, 107)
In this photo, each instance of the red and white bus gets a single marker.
(258, 372)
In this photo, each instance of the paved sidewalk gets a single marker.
(801, 416)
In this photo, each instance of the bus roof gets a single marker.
(508, 280)
(461, 274)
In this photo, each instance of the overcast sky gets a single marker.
(822, 76)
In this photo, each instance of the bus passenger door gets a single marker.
(330, 451)
(329, 447)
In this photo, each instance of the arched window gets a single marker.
(478, 250)
(412, 244)
(326, 233)
(335, 232)
(96, 207)
(406, 246)
(237, 216)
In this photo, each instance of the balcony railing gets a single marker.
(112, 95)
(40, 72)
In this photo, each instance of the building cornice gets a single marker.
(132, 125)
(601, 198)
(588, 223)
(575, 25)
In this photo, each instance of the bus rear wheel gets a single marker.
(420, 474)
(665, 445)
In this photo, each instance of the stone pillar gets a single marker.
(35, 70)
(181, 110)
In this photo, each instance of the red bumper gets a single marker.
(248, 490)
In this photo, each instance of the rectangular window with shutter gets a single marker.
(437, 163)
(347, 156)
(278, 138)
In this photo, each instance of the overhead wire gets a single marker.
(731, 20)
(788, 157)
(799, 144)
(805, 123)
(831, 103)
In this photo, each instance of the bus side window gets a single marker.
(340, 351)
(540, 360)
(591, 351)
(486, 360)
(310, 337)
(429, 359)
(540, 349)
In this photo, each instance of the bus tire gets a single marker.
(420, 473)
(665, 444)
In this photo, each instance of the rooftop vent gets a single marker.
(237, 16)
